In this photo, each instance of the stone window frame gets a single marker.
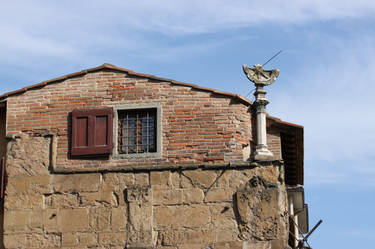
(134, 107)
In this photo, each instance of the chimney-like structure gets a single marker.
(261, 78)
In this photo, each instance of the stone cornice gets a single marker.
(163, 167)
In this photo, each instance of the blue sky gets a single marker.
(326, 80)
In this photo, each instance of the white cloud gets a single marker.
(333, 97)
(335, 103)
(67, 30)
(93, 23)
(21, 42)
(195, 16)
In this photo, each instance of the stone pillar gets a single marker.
(261, 78)
(262, 152)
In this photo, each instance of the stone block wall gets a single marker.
(233, 206)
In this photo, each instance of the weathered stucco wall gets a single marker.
(237, 206)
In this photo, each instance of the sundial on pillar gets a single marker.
(259, 76)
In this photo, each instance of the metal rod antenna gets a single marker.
(315, 227)
(249, 92)
(272, 58)
(300, 232)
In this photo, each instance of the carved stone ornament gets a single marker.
(260, 105)
(257, 207)
(260, 76)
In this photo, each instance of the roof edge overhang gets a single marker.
(108, 66)
(297, 145)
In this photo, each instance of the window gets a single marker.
(125, 131)
(92, 132)
(137, 131)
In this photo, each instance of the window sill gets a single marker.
(141, 155)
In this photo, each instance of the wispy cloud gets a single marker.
(194, 16)
(333, 97)
(335, 100)
(331, 93)
(61, 28)
(22, 42)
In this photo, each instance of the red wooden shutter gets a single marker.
(92, 132)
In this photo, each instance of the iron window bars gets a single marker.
(137, 131)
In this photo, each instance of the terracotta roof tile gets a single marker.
(281, 122)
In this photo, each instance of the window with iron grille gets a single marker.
(137, 129)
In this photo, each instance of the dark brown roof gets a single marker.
(130, 72)
(292, 149)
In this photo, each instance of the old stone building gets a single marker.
(110, 158)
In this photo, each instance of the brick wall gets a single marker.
(198, 126)
(3, 141)
(274, 142)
